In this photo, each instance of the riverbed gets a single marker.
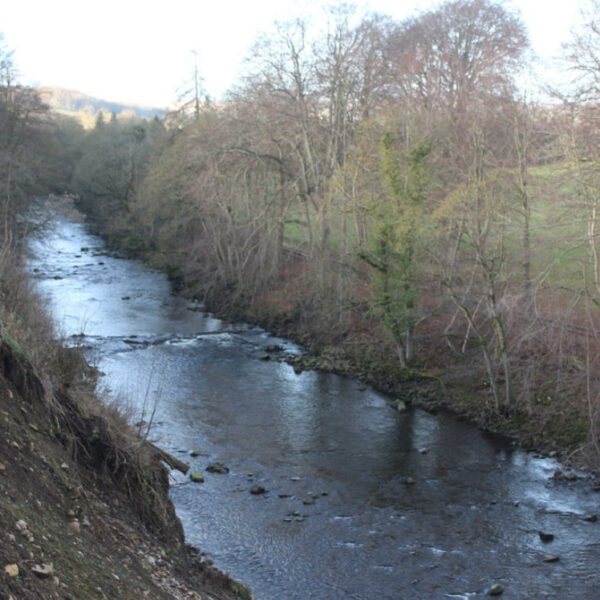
(361, 501)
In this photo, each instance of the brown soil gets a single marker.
(72, 523)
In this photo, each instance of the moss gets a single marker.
(243, 592)
(16, 347)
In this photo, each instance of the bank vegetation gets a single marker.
(387, 189)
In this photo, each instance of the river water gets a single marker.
(361, 502)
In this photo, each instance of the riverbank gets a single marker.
(539, 419)
(557, 430)
(84, 505)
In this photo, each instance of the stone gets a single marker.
(265, 356)
(75, 526)
(195, 453)
(44, 570)
(21, 525)
(496, 590)
(197, 477)
(256, 490)
(590, 518)
(217, 467)
(274, 348)
(546, 537)
(294, 478)
(2, 468)
(407, 480)
(550, 558)
(308, 501)
(11, 570)
(400, 405)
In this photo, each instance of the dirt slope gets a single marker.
(84, 512)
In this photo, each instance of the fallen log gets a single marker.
(173, 462)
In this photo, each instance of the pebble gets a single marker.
(256, 490)
(197, 477)
(496, 590)
(551, 558)
(75, 526)
(590, 518)
(44, 570)
(11, 570)
(21, 525)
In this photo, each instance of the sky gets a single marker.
(142, 52)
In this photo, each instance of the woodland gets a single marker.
(388, 193)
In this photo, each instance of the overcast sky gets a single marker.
(141, 52)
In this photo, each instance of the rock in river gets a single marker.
(546, 537)
(217, 467)
(256, 490)
(197, 477)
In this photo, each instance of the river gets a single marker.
(361, 502)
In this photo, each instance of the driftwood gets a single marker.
(173, 462)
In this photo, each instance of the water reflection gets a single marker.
(363, 502)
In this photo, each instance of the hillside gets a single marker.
(84, 107)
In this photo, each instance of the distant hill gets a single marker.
(86, 107)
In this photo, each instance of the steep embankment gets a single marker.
(84, 510)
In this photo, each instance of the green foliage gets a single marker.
(395, 285)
